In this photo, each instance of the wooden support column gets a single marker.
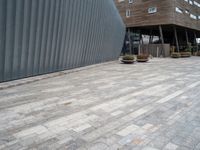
(176, 38)
(139, 48)
(142, 39)
(150, 37)
(186, 34)
(162, 39)
(141, 44)
(195, 40)
(150, 41)
(129, 38)
(133, 39)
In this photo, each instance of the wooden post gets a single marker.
(186, 34)
(133, 38)
(195, 40)
(150, 37)
(129, 38)
(139, 49)
(157, 51)
(141, 39)
(162, 38)
(176, 38)
(141, 43)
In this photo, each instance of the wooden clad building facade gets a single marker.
(176, 22)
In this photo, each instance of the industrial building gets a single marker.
(44, 36)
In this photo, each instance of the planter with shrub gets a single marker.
(175, 55)
(142, 58)
(185, 54)
(128, 59)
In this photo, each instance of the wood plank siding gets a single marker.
(166, 13)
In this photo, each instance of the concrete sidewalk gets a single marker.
(144, 106)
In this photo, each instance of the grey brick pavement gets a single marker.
(147, 106)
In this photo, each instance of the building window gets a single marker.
(128, 13)
(187, 12)
(130, 1)
(196, 3)
(193, 16)
(152, 10)
(179, 10)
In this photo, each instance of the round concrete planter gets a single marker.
(128, 61)
(142, 60)
(185, 54)
(175, 55)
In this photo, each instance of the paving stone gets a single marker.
(100, 146)
(126, 140)
(148, 126)
(149, 148)
(159, 142)
(82, 127)
(116, 113)
(15, 147)
(170, 146)
(128, 130)
(34, 130)
(197, 146)
(169, 97)
(146, 106)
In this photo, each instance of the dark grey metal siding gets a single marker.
(43, 36)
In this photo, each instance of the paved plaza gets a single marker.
(144, 106)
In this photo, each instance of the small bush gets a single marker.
(175, 55)
(188, 48)
(198, 53)
(142, 56)
(128, 57)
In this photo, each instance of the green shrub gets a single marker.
(188, 48)
(128, 57)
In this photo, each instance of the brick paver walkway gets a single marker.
(147, 106)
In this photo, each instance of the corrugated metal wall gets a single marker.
(43, 36)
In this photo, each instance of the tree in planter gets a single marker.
(187, 51)
(175, 54)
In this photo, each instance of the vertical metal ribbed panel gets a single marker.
(43, 36)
